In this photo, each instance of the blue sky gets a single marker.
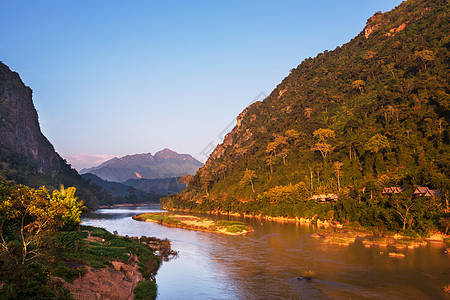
(111, 78)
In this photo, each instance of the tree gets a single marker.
(377, 143)
(408, 131)
(292, 134)
(206, 181)
(424, 56)
(337, 169)
(29, 217)
(402, 204)
(324, 134)
(322, 146)
(359, 85)
(308, 112)
(389, 113)
(283, 154)
(273, 146)
(186, 180)
(445, 223)
(67, 206)
(270, 161)
(249, 175)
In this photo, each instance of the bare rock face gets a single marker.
(117, 282)
(373, 24)
(19, 126)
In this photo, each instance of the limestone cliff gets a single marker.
(19, 126)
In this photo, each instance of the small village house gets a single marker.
(325, 198)
(423, 191)
(388, 191)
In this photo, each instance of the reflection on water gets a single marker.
(267, 263)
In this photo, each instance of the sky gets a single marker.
(112, 78)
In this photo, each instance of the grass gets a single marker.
(233, 226)
(99, 252)
(160, 218)
(96, 247)
(66, 255)
(195, 223)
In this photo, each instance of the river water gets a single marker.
(267, 263)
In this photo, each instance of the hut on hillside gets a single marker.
(325, 198)
(388, 191)
(423, 191)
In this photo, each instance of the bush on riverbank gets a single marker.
(43, 248)
(145, 289)
(233, 226)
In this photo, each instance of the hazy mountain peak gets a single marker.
(165, 163)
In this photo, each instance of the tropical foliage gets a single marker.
(371, 114)
(41, 238)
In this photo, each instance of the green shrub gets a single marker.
(236, 228)
(69, 241)
(68, 274)
(145, 289)
(101, 233)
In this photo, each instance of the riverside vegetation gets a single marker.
(45, 253)
(371, 114)
(196, 223)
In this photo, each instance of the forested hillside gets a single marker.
(373, 113)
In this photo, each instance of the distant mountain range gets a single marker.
(164, 164)
(139, 187)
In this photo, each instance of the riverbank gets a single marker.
(126, 205)
(196, 223)
(333, 232)
(109, 266)
(312, 221)
(348, 236)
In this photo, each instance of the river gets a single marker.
(267, 263)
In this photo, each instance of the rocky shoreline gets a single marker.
(333, 232)
(385, 242)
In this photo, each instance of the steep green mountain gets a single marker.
(26, 156)
(164, 164)
(373, 113)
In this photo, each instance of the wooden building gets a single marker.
(423, 191)
(325, 198)
(388, 191)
